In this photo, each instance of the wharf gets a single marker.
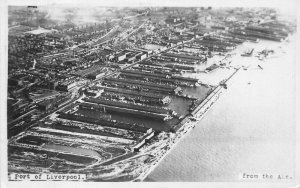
(103, 122)
(133, 82)
(135, 93)
(129, 106)
(119, 110)
(182, 56)
(142, 85)
(199, 113)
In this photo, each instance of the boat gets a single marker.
(248, 52)
(260, 67)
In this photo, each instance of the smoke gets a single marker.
(75, 15)
(70, 14)
(53, 12)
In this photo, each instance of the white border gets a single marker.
(285, 5)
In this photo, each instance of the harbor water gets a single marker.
(251, 130)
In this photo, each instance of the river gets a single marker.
(250, 130)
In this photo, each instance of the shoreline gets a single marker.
(231, 80)
(187, 127)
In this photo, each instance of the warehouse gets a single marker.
(145, 73)
(45, 105)
(103, 122)
(186, 79)
(130, 59)
(114, 109)
(96, 74)
(171, 88)
(182, 56)
(120, 56)
(142, 142)
(129, 106)
(141, 56)
(153, 97)
(142, 85)
(182, 67)
(148, 78)
(174, 80)
(66, 86)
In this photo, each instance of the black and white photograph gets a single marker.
(149, 92)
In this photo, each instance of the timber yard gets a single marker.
(110, 95)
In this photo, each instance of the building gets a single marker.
(90, 93)
(66, 86)
(130, 59)
(120, 56)
(130, 106)
(144, 86)
(143, 141)
(138, 95)
(45, 106)
(96, 74)
(105, 123)
(141, 56)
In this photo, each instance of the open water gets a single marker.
(250, 130)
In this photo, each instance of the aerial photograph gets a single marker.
(151, 94)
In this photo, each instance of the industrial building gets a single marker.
(141, 56)
(120, 56)
(96, 74)
(181, 67)
(145, 108)
(140, 76)
(143, 96)
(53, 103)
(160, 78)
(143, 141)
(146, 86)
(66, 86)
(126, 111)
(182, 56)
(103, 122)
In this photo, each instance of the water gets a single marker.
(199, 92)
(250, 130)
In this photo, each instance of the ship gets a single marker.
(248, 52)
